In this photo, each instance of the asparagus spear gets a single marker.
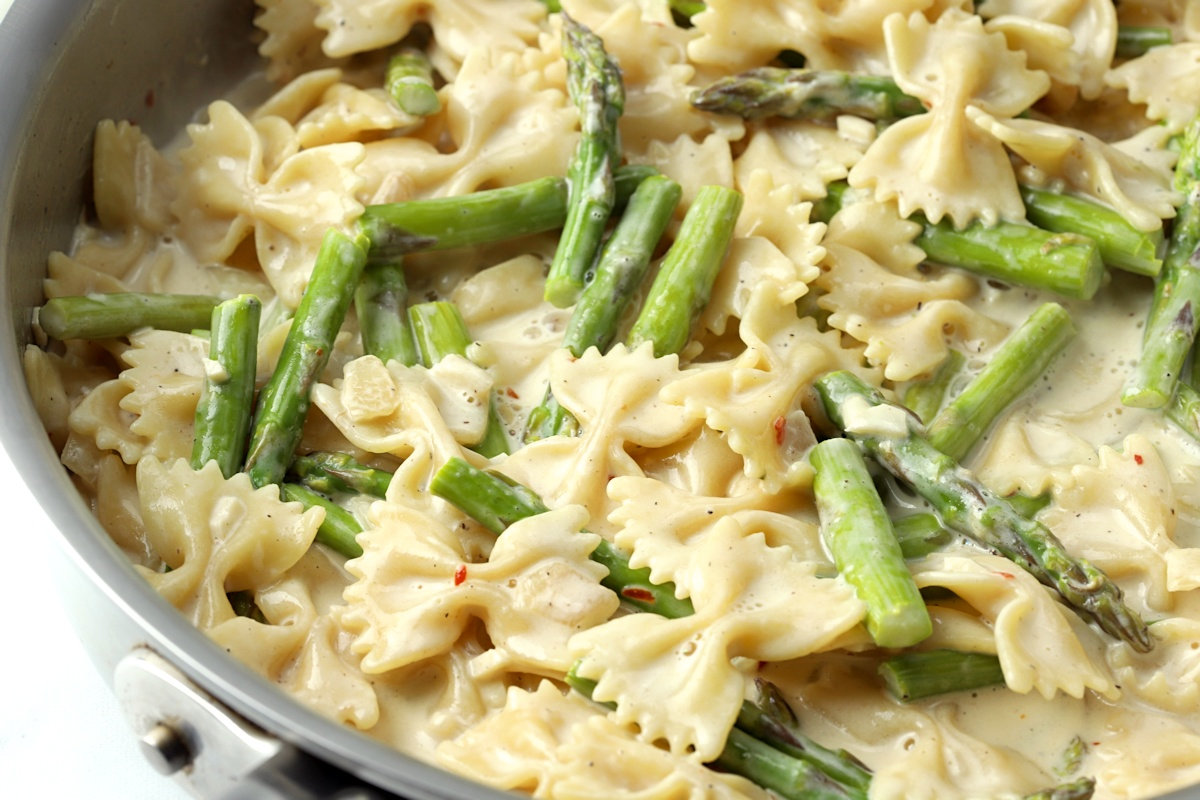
(339, 529)
(1121, 245)
(381, 305)
(771, 720)
(227, 396)
(1081, 789)
(793, 773)
(1171, 324)
(595, 86)
(807, 94)
(1137, 40)
(925, 398)
(920, 534)
(492, 215)
(619, 272)
(856, 529)
(967, 506)
(496, 501)
(1016, 364)
(439, 331)
(1066, 263)
(918, 674)
(409, 81)
(685, 277)
(328, 472)
(283, 402)
(104, 316)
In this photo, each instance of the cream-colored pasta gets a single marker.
(453, 642)
(941, 163)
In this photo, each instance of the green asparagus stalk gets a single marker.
(858, 533)
(439, 331)
(381, 302)
(1081, 789)
(771, 720)
(496, 501)
(243, 605)
(283, 402)
(1066, 263)
(1121, 245)
(409, 81)
(227, 396)
(492, 215)
(925, 398)
(105, 316)
(1137, 40)
(328, 472)
(914, 675)
(1171, 325)
(686, 275)
(623, 262)
(595, 86)
(1017, 363)
(920, 534)
(791, 776)
(339, 530)
(806, 94)
(972, 509)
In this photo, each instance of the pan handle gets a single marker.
(214, 753)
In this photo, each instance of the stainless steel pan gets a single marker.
(218, 727)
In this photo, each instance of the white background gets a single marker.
(61, 732)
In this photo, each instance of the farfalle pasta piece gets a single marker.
(905, 320)
(231, 186)
(508, 118)
(132, 183)
(1091, 26)
(804, 155)
(347, 113)
(1168, 680)
(292, 43)
(415, 594)
(1140, 191)
(217, 535)
(748, 598)
(843, 35)
(754, 399)
(619, 400)
(165, 376)
(1165, 80)
(1145, 755)
(1038, 645)
(941, 163)
(690, 163)
(1119, 514)
(355, 26)
(149, 409)
(553, 744)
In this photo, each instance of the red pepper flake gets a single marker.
(460, 574)
(638, 593)
(1137, 459)
(1008, 575)
(780, 424)
(508, 390)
